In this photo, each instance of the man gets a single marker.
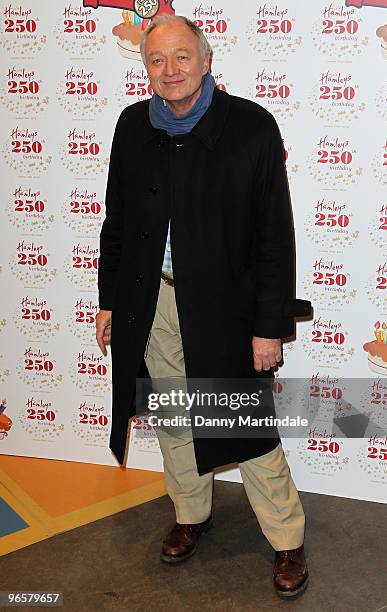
(197, 262)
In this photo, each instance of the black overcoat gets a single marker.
(225, 190)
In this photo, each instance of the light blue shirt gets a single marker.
(167, 263)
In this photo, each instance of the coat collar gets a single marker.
(208, 129)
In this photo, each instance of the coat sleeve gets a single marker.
(110, 241)
(274, 250)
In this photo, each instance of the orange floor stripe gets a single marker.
(60, 487)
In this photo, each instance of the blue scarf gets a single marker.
(161, 116)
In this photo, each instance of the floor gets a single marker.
(112, 563)
(41, 497)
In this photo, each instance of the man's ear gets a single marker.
(207, 63)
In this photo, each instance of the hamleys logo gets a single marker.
(94, 408)
(325, 324)
(25, 193)
(22, 73)
(328, 266)
(33, 403)
(331, 11)
(83, 195)
(271, 76)
(90, 357)
(271, 11)
(84, 250)
(321, 379)
(336, 78)
(30, 247)
(19, 11)
(28, 302)
(16, 133)
(81, 74)
(206, 11)
(86, 305)
(322, 206)
(80, 135)
(136, 75)
(70, 11)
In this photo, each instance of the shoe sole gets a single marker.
(174, 560)
(301, 589)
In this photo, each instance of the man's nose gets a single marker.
(170, 66)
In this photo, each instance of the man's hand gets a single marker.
(103, 322)
(267, 353)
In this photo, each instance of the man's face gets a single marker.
(174, 63)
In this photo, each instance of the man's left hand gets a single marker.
(267, 353)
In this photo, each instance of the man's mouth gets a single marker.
(172, 83)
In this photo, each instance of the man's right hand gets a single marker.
(103, 322)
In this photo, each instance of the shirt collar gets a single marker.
(209, 127)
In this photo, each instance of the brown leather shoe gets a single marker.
(290, 572)
(182, 541)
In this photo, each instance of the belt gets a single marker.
(167, 279)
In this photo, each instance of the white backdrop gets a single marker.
(66, 72)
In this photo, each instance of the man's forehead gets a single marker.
(177, 35)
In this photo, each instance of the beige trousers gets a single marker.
(267, 479)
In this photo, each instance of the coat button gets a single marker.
(139, 279)
(161, 143)
(144, 235)
(132, 319)
(153, 190)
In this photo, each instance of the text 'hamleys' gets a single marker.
(86, 305)
(326, 325)
(30, 302)
(321, 379)
(136, 75)
(331, 11)
(93, 357)
(83, 135)
(83, 195)
(266, 10)
(29, 352)
(85, 407)
(315, 433)
(379, 385)
(16, 133)
(70, 11)
(335, 143)
(335, 77)
(30, 247)
(16, 11)
(270, 76)
(25, 193)
(34, 403)
(375, 440)
(207, 11)
(21, 73)
(321, 205)
(330, 266)
(72, 73)
(84, 250)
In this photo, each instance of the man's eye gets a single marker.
(157, 61)
(183, 57)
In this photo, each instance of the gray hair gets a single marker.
(159, 20)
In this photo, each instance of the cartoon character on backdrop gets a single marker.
(381, 32)
(136, 15)
(377, 349)
(360, 3)
(5, 421)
